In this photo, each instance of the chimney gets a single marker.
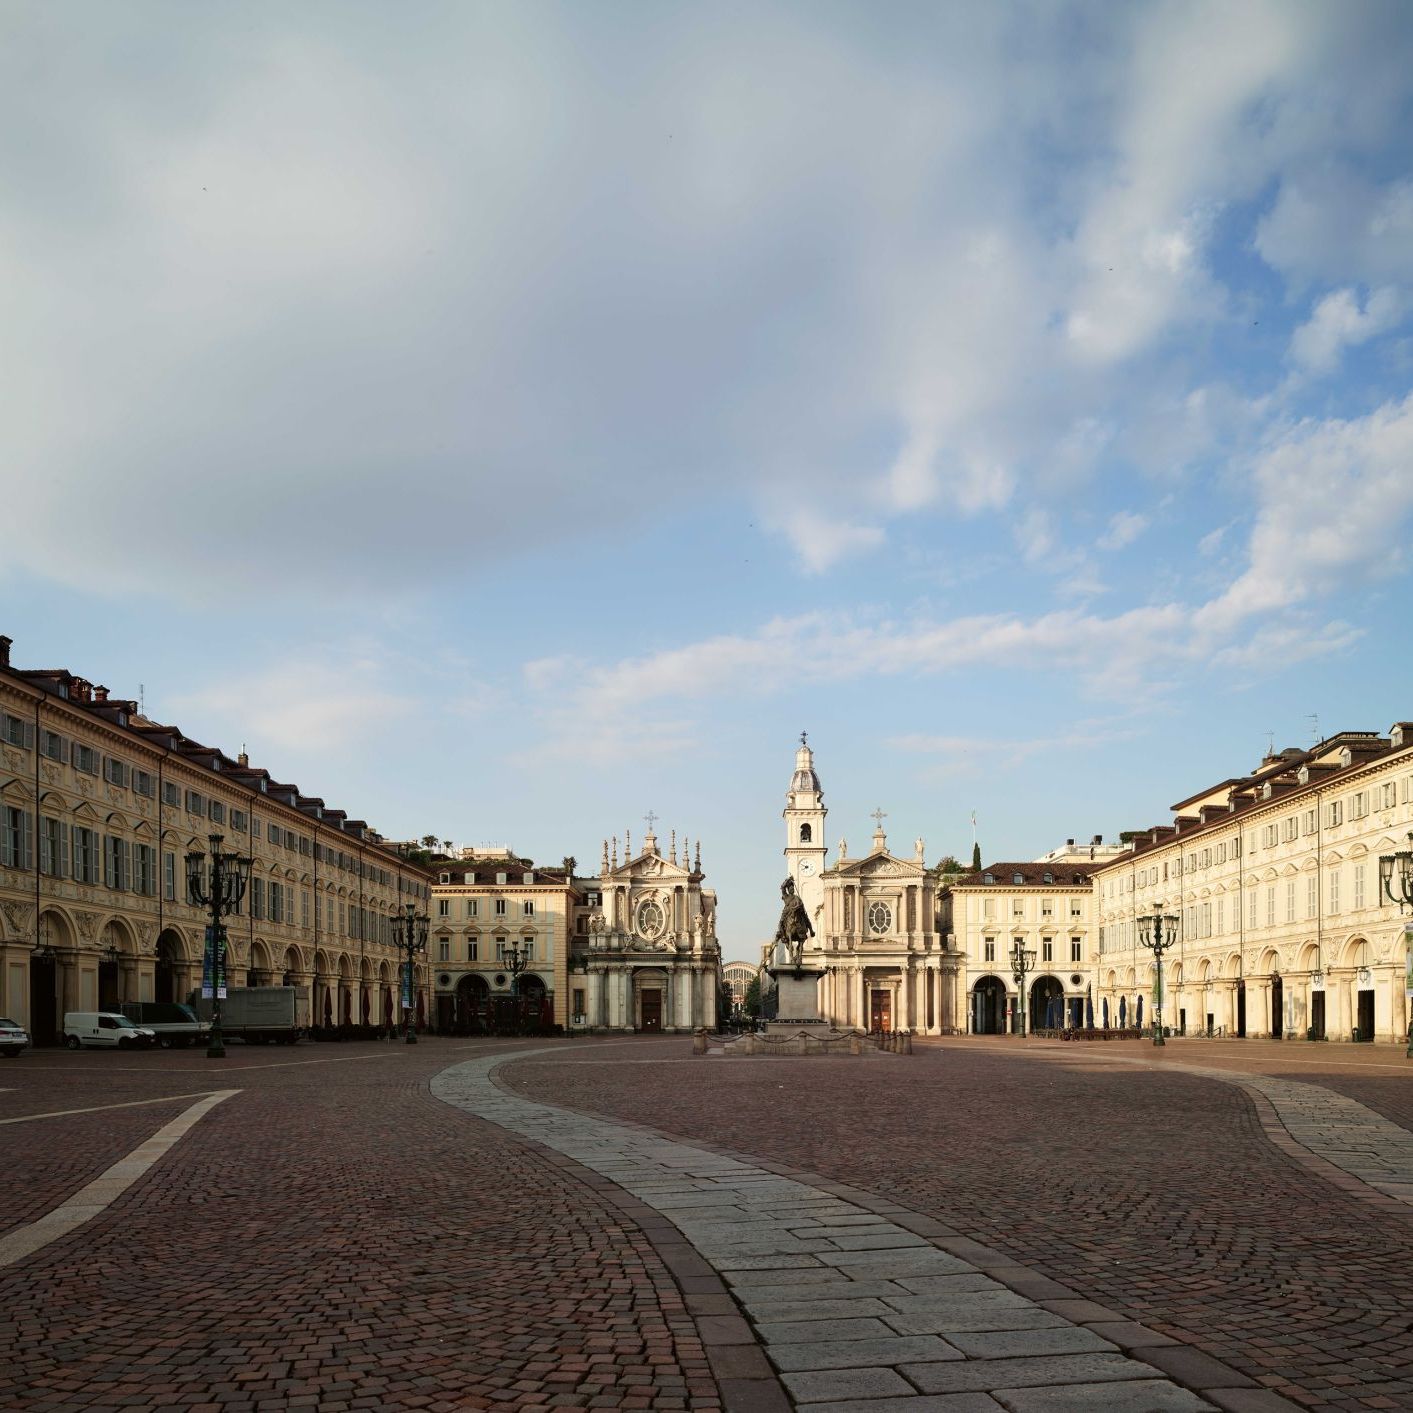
(1098, 838)
(1069, 843)
(243, 761)
(100, 694)
(5, 650)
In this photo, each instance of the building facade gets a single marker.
(736, 979)
(886, 964)
(99, 806)
(649, 960)
(1274, 880)
(1047, 907)
(487, 906)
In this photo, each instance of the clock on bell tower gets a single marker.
(804, 835)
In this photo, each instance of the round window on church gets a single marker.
(880, 917)
(650, 919)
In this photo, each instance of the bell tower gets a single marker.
(805, 848)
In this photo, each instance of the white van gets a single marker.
(105, 1028)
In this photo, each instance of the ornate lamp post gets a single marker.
(1022, 962)
(1396, 883)
(218, 885)
(409, 929)
(516, 959)
(1158, 932)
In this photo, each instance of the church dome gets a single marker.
(805, 780)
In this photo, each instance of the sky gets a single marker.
(507, 419)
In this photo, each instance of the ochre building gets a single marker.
(98, 808)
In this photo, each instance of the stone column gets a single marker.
(1260, 992)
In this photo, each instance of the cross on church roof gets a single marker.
(878, 816)
(651, 819)
(804, 738)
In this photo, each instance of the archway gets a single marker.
(533, 1005)
(473, 1006)
(1047, 999)
(166, 984)
(988, 1006)
(54, 936)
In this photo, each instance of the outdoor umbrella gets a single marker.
(328, 1007)
(1123, 1012)
(1106, 1012)
(387, 1005)
(1139, 1013)
(366, 1005)
(1089, 1012)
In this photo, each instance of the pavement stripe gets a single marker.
(699, 1191)
(103, 1108)
(105, 1189)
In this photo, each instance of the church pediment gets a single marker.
(879, 866)
(650, 867)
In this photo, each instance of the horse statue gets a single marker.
(795, 928)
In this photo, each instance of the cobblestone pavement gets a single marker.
(1152, 1192)
(331, 1237)
(855, 1308)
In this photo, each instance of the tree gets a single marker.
(949, 865)
(752, 1003)
(430, 841)
(976, 858)
(570, 864)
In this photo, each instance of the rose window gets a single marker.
(880, 917)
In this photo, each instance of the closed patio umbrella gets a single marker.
(1089, 1012)
(1139, 1021)
(1105, 1005)
(1123, 1012)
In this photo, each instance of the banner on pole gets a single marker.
(213, 965)
(407, 988)
(1408, 960)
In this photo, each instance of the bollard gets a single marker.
(907, 1042)
(856, 1044)
(699, 1042)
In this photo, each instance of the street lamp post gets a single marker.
(1396, 881)
(1022, 962)
(409, 928)
(1158, 932)
(218, 885)
(516, 959)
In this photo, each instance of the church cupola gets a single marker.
(805, 781)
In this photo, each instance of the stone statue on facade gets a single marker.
(795, 927)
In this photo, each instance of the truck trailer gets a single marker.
(260, 1015)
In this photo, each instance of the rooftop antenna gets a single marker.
(1270, 743)
(141, 699)
(1314, 720)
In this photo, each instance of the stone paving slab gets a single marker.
(835, 1298)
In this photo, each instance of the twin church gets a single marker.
(876, 922)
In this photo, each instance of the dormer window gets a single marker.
(446, 878)
(1018, 878)
(529, 879)
(1049, 878)
(988, 878)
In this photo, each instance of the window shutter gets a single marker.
(127, 880)
(26, 840)
(29, 735)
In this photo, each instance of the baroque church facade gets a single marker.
(650, 960)
(876, 918)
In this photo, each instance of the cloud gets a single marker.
(295, 708)
(1125, 526)
(300, 297)
(1337, 322)
(1335, 497)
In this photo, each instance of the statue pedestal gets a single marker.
(798, 993)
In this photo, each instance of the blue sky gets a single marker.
(506, 419)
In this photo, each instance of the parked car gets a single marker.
(13, 1037)
(105, 1028)
(176, 1025)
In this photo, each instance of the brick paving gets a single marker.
(330, 1238)
(851, 1306)
(1150, 1193)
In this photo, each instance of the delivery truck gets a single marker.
(260, 1015)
